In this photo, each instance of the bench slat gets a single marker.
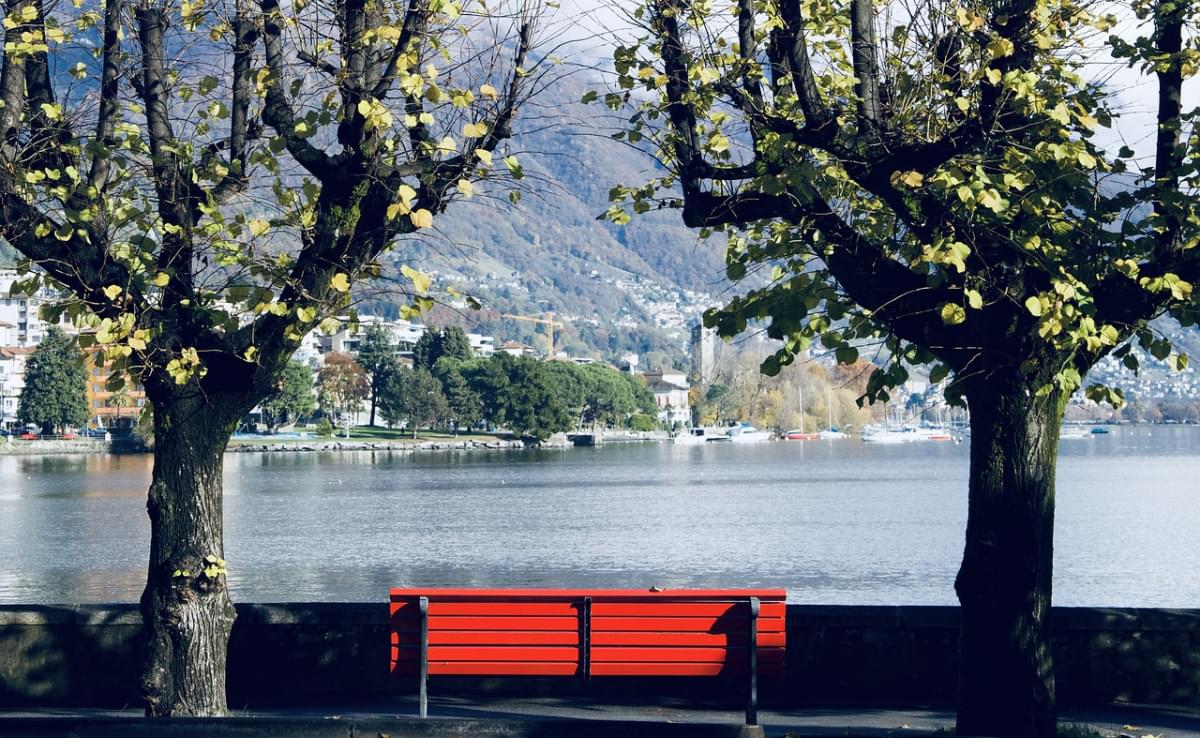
(655, 638)
(684, 625)
(686, 609)
(552, 609)
(490, 638)
(492, 668)
(456, 622)
(597, 595)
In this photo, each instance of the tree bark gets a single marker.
(1006, 677)
(186, 609)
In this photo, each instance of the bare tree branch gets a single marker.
(110, 106)
(864, 51)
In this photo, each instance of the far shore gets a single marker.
(363, 438)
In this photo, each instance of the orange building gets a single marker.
(112, 409)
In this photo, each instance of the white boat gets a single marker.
(906, 435)
(747, 433)
(1073, 435)
(831, 434)
(692, 436)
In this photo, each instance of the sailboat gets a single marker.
(798, 434)
(831, 433)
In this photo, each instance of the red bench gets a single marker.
(587, 633)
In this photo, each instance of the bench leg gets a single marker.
(423, 697)
(752, 697)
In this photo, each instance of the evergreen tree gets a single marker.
(425, 349)
(55, 391)
(463, 403)
(378, 358)
(531, 406)
(415, 396)
(292, 398)
(454, 343)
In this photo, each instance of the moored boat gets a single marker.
(746, 433)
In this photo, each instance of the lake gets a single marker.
(836, 522)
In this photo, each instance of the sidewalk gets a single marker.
(574, 716)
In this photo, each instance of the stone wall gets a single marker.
(17, 447)
(337, 653)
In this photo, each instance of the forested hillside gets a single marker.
(549, 252)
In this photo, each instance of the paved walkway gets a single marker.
(1131, 720)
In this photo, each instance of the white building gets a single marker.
(404, 335)
(12, 381)
(21, 311)
(482, 345)
(670, 390)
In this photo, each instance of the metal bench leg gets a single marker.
(423, 604)
(752, 702)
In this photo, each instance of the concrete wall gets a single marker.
(18, 447)
(337, 653)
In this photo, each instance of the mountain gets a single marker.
(618, 288)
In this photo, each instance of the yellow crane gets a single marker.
(547, 321)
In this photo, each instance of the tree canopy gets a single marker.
(377, 357)
(932, 177)
(206, 181)
(55, 391)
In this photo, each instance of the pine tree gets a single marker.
(377, 356)
(55, 392)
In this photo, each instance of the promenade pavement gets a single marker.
(546, 716)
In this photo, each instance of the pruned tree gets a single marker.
(206, 181)
(929, 175)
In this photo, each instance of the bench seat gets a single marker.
(588, 633)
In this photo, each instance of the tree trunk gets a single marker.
(186, 609)
(1006, 676)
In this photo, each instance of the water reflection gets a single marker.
(833, 521)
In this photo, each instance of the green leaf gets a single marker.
(1034, 305)
(846, 355)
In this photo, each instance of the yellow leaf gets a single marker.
(474, 130)
(974, 299)
(484, 156)
(258, 227)
(420, 280)
(137, 344)
(396, 209)
(912, 178)
(994, 76)
(249, 353)
(406, 195)
(112, 292)
(465, 187)
(161, 279)
(340, 282)
(421, 218)
(953, 314)
(489, 92)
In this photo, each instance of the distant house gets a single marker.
(516, 348)
(112, 409)
(670, 390)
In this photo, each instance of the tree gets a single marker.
(120, 399)
(206, 186)
(463, 404)
(342, 385)
(437, 343)
(530, 406)
(414, 395)
(377, 356)
(292, 397)
(55, 391)
(933, 179)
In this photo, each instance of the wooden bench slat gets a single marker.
(492, 668)
(564, 610)
(656, 638)
(598, 595)
(490, 638)
(684, 625)
(686, 609)
(464, 622)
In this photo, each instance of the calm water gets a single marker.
(833, 521)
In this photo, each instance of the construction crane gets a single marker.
(547, 321)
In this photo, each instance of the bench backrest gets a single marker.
(587, 632)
